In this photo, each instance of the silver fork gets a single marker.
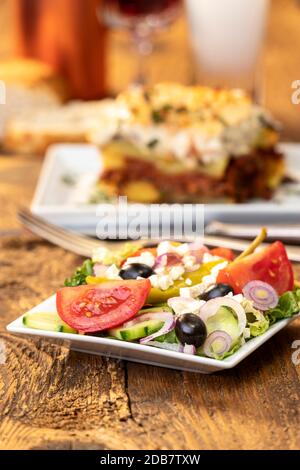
(84, 246)
(67, 239)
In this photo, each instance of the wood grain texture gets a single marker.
(53, 398)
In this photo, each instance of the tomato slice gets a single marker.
(270, 265)
(100, 307)
(225, 253)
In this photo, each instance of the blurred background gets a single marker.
(98, 35)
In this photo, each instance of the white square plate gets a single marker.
(140, 353)
(67, 204)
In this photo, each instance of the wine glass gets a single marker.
(142, 18)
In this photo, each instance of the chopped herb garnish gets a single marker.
(153, 143)
(167, 108)
(181, 109)
(157, 117)
(147, 96)
(267, 123)
(70, 180)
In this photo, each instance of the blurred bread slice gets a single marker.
(32, 73)
(33, 132)
(29, 85)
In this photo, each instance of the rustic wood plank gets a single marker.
(53, 398)
(44, 385)
(71, 400)
(18, 177)
(254, 406)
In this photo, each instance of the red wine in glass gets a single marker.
(142, 18)
(135, 14)
(133, 8)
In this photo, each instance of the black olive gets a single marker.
(220, 290)
(190, 329)
(136, 270)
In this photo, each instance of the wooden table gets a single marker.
(51, 397)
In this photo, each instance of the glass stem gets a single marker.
(143, 44)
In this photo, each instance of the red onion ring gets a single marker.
(167, 260)
(262, 295)
(169, 325)
(197, 249)
(226, 342)
(162, 315)
(189, 349)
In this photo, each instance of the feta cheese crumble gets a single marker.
(194, 291)
(212, 277)
(167, 247)
(164, 280)
(161, 281)
(182, 305)
(112, 273)
(189, 262)
(176, 272)
(99, 254)
(145, 257)
(208, 258)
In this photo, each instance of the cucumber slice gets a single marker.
(46, 321)
(224, 319)
(138, 331)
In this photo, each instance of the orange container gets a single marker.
(67, 35)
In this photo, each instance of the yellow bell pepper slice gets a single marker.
(158, 296)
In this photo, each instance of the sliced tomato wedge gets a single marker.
(270, 265)
(225, 253)
(100, 307)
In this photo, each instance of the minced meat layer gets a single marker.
(246, 177)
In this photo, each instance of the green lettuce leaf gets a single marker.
(236, 345)
(234, 349)
(80, 275)
(288, 305)
(168, 338)
(257, 322)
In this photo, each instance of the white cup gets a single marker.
(227, 38)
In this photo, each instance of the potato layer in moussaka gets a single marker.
(171, 143)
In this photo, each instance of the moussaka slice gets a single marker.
(174, 143)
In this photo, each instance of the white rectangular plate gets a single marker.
(139, 353)
(66, 205)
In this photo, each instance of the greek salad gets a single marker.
(181, 297)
